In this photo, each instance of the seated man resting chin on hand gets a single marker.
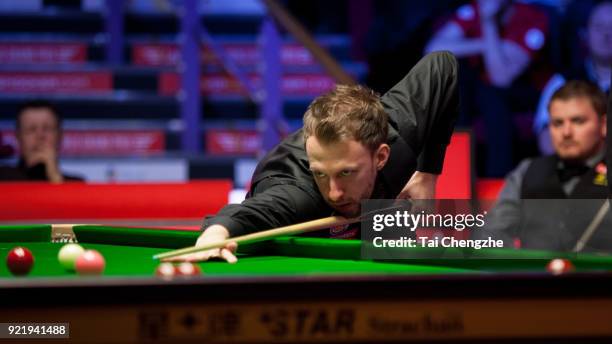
(39, 135)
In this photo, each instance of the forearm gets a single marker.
(425, 177)
(424, 106)
(46, 156)
(441, 111)
(217, 230)
(54, 175)
(279, 205)
(460, 48)
(496, 63)
(503, 221)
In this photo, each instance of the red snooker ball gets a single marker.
(20, 261)
(165, 270)
(91, 262)
(559, 266)
(187, 269)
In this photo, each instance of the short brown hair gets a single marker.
(582, 89)
(38, 104)
(348, 112)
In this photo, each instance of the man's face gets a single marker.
(345, 172)
(38, 131)
(576, 130)
(600, 33)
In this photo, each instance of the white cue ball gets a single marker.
(68, 255)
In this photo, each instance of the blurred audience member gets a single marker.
(500, 40)
(596, 67)
(394, 44)
(39, 135)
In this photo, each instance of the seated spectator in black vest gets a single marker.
(527, 208)
(39, 135)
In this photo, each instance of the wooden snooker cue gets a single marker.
(609, 143)
(298, 228)
(588, 233)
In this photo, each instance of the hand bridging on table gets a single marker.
(212, 234)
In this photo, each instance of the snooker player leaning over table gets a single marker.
(548, 202)
(354, 145)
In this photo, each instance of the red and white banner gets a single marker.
(60, 82)
(232, 142)
(42, 53)
(106, 142)
(221, 84)
(166, 54)
(155, 54)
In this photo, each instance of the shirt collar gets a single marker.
(590, 162)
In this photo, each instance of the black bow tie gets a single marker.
(569, 171)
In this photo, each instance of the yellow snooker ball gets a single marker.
(68, 255)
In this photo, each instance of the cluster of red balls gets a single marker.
(169, 270)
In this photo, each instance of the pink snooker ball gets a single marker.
(91, 262)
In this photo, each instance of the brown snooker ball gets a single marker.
(20, 261)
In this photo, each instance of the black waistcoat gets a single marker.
(552, 220)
